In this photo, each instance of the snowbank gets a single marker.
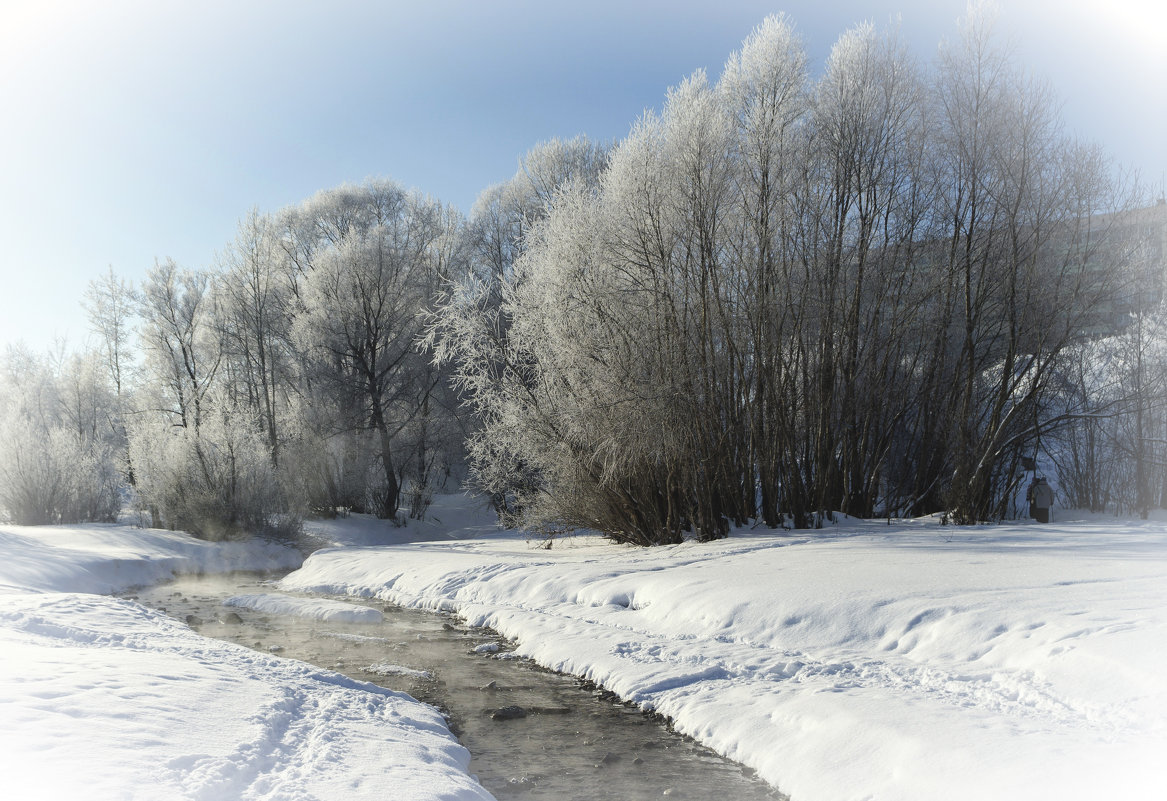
(104, 558)
(910, 661)
(101, 698)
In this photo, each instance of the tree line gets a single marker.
(877, 292)
(781, 298)
(283, 382)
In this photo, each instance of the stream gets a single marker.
(533, 734)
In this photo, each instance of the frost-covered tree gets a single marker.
(470, 330)
(568, 396)
(183, 350)
(378, 257)
(193, 450)
(255, 322)
(1015, 210)
(766, 87)
(111, 304)
(216, 481)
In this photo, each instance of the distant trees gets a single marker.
(1112, 452)
(287, 380)
(58, 458)
(254, 322)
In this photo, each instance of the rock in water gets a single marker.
(509, 713)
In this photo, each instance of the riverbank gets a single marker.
(910, 661)
(102, 699)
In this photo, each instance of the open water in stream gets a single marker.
(532, 733)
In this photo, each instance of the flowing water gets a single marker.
(532, 733)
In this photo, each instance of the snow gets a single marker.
(101, 698)
(865, 660)
(311, 608)
(452, 516)
(344, 635)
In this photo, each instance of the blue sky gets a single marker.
(139, 129)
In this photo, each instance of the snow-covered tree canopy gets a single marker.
(783, 297)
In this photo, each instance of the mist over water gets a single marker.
(532, 734)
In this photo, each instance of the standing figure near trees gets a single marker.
(1041, 498)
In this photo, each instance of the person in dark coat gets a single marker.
(1041, 498)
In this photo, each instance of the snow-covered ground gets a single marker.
(910, 661)
(101, 698)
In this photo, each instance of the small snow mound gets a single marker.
(357, 638)
(312, 608)
(387, 669)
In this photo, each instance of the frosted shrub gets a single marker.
(419, 493)
(216, 482)
(47, 477)
(324, 476)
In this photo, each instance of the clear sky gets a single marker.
(139, 129)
